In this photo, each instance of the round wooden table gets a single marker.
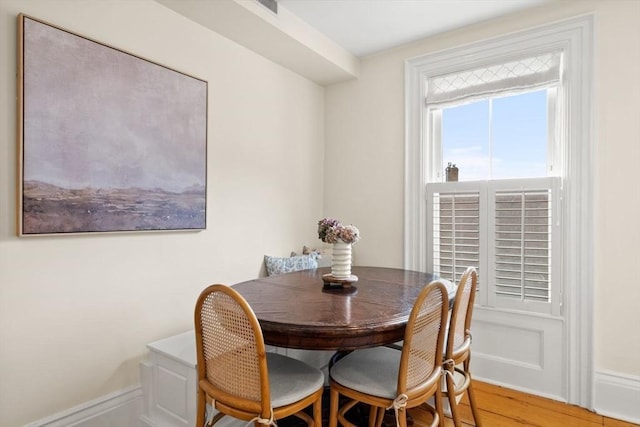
(296, 311)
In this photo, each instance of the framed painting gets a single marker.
(108, 141)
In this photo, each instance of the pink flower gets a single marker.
(331, 231)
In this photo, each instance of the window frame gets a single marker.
(487, 290)
(574, 38)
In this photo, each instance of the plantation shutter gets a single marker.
(523, 244)
(522, 74)
(525, 235)
(455, 231)
(508, 230)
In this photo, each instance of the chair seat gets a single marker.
(234, 367)
(291, 380)
(372, 371)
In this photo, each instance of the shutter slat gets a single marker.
(456, 233)
(522, 242)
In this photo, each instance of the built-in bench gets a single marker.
(169, 380)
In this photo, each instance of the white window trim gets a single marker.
(574, 37)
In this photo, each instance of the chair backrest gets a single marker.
(459, 337)
(421, 358)
(231, 355)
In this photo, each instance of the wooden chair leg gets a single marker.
(201, 408)
(317, 413)
(453, 404)
(402, 418)
(439, 408)
(472, 398)
(333, 408)
(380, 418)
(474, 408)
(373, 416)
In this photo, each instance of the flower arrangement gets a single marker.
(332, 231)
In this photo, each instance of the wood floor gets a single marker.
(501, 407)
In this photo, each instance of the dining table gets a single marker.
(298, 310)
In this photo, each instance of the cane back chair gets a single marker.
(457, 355)
(385, 378)
(237, 377)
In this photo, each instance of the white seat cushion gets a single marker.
(291, 380)
(372, 371)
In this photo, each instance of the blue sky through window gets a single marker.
(498, 138)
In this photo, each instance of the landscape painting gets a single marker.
(109, 142)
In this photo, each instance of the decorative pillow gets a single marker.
(276, 265)
(306, 250)
(324, 259)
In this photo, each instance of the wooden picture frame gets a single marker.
(108, 141)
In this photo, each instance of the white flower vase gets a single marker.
(341, 261)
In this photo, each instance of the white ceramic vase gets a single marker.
(341, 260)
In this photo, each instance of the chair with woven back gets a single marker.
(457, 355)
(237, 377)
(386, 378)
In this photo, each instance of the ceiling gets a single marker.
(364, 27)
(324, 40)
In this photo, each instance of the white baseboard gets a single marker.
(120, 408)
(617, 396)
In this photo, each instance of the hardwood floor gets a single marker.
(501, 407)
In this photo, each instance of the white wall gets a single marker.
(77, 311)
(364, 169)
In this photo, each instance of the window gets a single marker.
(499, 137)
(501, 216)
(570, 165)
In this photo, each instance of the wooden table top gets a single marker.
(296, 311)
